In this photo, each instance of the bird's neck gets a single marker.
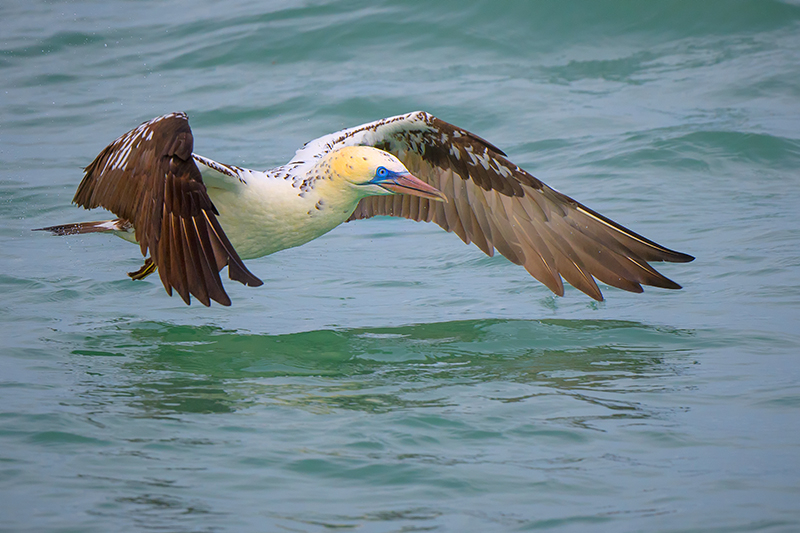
(327, 180)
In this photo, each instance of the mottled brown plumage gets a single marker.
(496, 205)
(149, 178)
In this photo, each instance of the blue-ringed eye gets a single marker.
(381, 172)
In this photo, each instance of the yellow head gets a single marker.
(373, 172)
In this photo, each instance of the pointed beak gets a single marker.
(408, 184)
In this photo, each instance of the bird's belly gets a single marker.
(264, 221)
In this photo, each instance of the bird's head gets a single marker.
(373, 172)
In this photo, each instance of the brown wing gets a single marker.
(148, 177)
(497, 205)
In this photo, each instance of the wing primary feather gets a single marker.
(178, 264)
(540, 262)
(237, 271)
(160, 256)
(505, 238)
(213, 284)
(651, 251)
(497, 205)
(198, 273)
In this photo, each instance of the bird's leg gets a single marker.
(148, 268)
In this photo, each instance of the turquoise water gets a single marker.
(387, 377)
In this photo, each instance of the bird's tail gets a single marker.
(102, 226)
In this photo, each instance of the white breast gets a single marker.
(270, 212)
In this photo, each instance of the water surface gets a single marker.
(387, 377)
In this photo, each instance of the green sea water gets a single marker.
(387, 377)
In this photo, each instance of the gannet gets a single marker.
(194, 215)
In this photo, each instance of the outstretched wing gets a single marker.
(148, 177)
(495, 204)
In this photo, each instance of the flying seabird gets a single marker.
(194, 215)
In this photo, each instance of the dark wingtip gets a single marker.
(671, 256)
(226, 303)
(671, 285)
(663, 282)
(238, 272)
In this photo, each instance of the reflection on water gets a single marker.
(170, 369)
(446, 408)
